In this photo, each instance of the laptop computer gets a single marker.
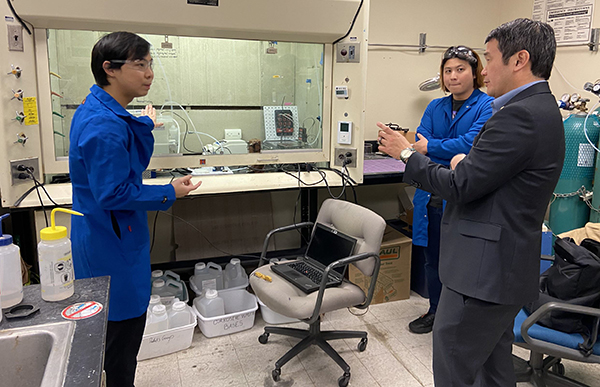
(326, 246)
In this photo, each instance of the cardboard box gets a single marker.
(393, 282)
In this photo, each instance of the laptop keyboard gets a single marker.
(315, 275)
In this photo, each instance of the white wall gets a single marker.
(577, 64)
(394, 74)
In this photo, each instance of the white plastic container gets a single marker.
(240, 310)
(179, 315)
(272, 317)
(211, 305)
(158, 287)
(11, 279)
(156, 274)
(154, 300)
(169, 302)
(207, 276)
(169, 341)
(55, 260)
(234, 274)
(158, 321)
(171, 275)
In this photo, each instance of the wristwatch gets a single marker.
(406, 153)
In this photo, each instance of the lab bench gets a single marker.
(86, 357)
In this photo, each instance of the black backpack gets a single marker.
(574, 278)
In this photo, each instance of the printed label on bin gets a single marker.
(82, 310)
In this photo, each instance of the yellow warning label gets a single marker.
(30, 110)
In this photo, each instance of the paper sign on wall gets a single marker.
(571, 20)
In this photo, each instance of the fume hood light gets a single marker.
(430, 84)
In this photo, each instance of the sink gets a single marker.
(35, 356)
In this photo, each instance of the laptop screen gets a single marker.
(327, 245)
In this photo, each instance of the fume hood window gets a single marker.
(214, 96)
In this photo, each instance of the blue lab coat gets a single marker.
(447, 137)
(109, 150)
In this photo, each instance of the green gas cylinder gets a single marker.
(595, 215)
(568, 211)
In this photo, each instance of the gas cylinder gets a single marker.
(595, 215)
(568, 211)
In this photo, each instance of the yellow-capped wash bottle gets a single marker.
(56, 263)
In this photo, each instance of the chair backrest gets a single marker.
(356, 221)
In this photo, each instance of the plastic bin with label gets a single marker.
(168, 341)
(240, 310)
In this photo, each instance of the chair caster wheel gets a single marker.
(362, 345)
(276, 374)
(344, 380)
(558, 368)
(263, 338)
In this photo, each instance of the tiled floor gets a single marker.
(394, 356)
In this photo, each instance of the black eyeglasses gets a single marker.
(460, 52)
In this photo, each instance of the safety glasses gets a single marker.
(460, 52)
(138, 64)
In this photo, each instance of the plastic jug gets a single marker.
(235, 274)
(174, 288)
(158, 321)
(168, 288)
(158, 287)
(207, 276)
(179, 315)
(157, 274)
(211, 305)
(11, 279)
(171, 275)
(154, 300)
(168, 303)
(56, 263)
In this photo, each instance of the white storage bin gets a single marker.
(272, 317)
(240, 310)
(168, 341)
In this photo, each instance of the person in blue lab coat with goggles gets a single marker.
(447, 128)
(109, 150)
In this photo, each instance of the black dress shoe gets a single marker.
(423, 324)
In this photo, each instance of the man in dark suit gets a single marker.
(497, 197)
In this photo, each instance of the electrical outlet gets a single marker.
(345, 154)
(233, 134)
(19, 175)
(15, 37)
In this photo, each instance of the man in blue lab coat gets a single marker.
(109, 150)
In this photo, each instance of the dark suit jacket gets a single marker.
(497, 198)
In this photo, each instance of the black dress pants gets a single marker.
(472, 342)
(123, 340)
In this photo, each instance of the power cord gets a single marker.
(28, 172)
(205, 238)
(21, 21)
(353, 21)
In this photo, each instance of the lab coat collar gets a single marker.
(466, 106)
(108, 101)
